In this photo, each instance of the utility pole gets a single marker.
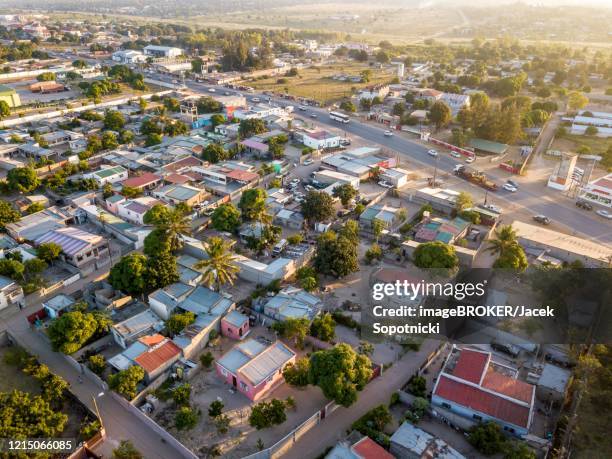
(435, 172)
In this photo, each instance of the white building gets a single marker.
(108, 174)
(456, 101)
(598, 191)
(320, 139)
(162, 51)
(371, 92)
(10, 292)
(134, 210)
(129, 56)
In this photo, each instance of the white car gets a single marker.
(433, 153)
(604, 214)
(510, 188)
(493, 208)
(308, 162)
(255, 99)
(227, 93)
(295, 181)
(301, 107)
(313, 115)
(212, 90)
(470, 159)
(388, 134)
(385, 184)
(309, 188)
(454, 154)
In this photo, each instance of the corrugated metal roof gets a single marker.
(71, 240)
(266, 363)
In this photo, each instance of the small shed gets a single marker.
(553, 383)
(488, 146)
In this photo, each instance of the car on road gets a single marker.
(543, 219)
(510, 188)
(295, 181)
(302, 108)
(584, 205)
(470, 159)
(313, 115)
(212, 90)
(388, 134)
(493, 208)
(227, 93)
(455, 154)
(513, 183)
(345, 142)
(385, 184)
(308, 162)
(604, 214)
(433, 153)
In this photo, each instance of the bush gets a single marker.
(487, 438)
(181, 395)
(394, 400)
(97, 363)
(347, 321)
(267, 414)
(296, 374)
(215, 409)
(417, 386)
(186, 418)
(207, 359)
(373, 253)
(373, 423)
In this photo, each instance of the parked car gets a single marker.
(433, 153)
(385, 184)
(470, 159)
(302, 108)
(345, 142)
(313, 115)
(604, 214)
(295, 180)
(309, 188)
(584, 205)
(493, 208)
(308, 162)
(255, 99)
(506, 348)
(509, 187)
(455, 154)
(388, 134)
(543, 219)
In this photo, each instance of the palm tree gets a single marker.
(220, 267)
(505, 237)
(174, 224)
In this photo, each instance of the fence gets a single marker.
(285, 443)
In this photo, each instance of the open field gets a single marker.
(12, 378)
(316, 82)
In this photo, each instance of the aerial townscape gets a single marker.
(199, 197)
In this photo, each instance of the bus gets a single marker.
(341, 117)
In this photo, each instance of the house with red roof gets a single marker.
(158, 357)
(477, 389)
(365, 448)
(146, 181)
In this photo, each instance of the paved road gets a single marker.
(378, 392)
(120, 424)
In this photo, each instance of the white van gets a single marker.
(279, 247)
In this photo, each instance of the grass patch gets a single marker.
(316, 83)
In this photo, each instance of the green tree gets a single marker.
(576, 100)
(345, 193)
(348, 106)
(186, 418)
(219, 268)
(156, 242)
(513, 258)
(336, 255)
(22, 179)
(126, 450)
(253, 205)
(178, 321)
(317, 206)
(172, 104)
(46, 76)
(130, 274)
(440, 114)
(29, 416)
(251, 127)
(109, 141)
(96, 363)
(5, 109)
(215, 409)
(208, 105)
(487, 438)
(226, 217)
(340, 373)
(161, 270)
(267, 414)
(72, 330)
(153, 139)
(114, 120)
(591, 130)
(126, 382)
(7, 214)
(464, 201)
(435, 255)
(217, 119)
(181, 395)
(505, 238)
(173, 221)
(213, 153)
(34, 207)
(296, 374)
(323, 327)
(293, 329)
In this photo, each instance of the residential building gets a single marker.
(553, 383)
(472, 388)
(134, 210)
(441, 229)
(255, 147)
(358, 162)
(290, 303)
(564, 247)
(158, 358)
(372, 92)
(10, 96)
(387, 215)
(108, 174)
(165, 300)
(253, 368)
(440, 199)
(129, 330)
(410, 442)
(129, 56)
(365, 448)
(162, 51)
(598, 191)
(456, 101)
(320, 139)
(329, 177)
(32, 226)
(235, 325)
(85, 251)
(56, 306)
(10, 292)
(176, 194)
(146, 181)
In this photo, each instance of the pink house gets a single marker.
(254, 368)
(235, 325)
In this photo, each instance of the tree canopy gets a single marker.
(22, 179)
(226, 217)
(7, 214)
(129, 274)
(253, 204)
(317, 206)
(435, 255)
(336, 254)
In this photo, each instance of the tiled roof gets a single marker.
(482, 401)
(470, 365)
(243, 176)
(369, 449)
(141, 180)
(188, 161)
(151, 340)
(177, 178)
(511, 387)
(156, 357)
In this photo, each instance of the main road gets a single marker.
(532, 197)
